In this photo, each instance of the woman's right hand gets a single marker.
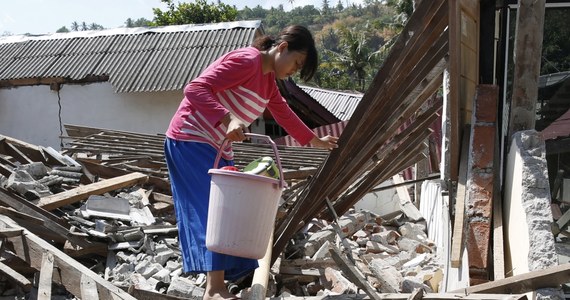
(236, 128)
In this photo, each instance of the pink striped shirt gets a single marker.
(233, 83)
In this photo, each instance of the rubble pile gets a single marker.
(392, 255)
(135, 222)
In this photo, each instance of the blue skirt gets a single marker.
(188, 164)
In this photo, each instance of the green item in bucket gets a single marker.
(263, 166)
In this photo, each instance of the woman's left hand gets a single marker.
(328, 142)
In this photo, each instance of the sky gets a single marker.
(47, 16)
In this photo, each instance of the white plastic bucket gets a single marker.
(242, 209)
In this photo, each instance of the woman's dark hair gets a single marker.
(298, 38)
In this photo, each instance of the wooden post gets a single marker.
(261, 274)
(527, 53)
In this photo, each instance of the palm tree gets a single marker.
(75, 26)
(354, 55)
(292, 3)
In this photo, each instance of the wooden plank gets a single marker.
(498, 241)
(17, 154)
(353, 275)
(258, 290)
(88, 288)
(454, 90)
(111, 172)
(10, 232)
(10, 212)
(97, 188)
(16, 277)
(46, 272)
(406, 205)
(6, 167)
(459, 221)
(31, 151)
(30, 248)
(288, 270)
(52, 227)
(551, 277)
(150, 295)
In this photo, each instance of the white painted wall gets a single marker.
(382, 202)
(32, 114)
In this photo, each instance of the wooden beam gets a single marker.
(551, 277)
(110, 172)
(407, 182)
(406, 205)
(454, 92)
(150, 295)
(46, 272)
(16, 277)
(50, 221)
(31, 151)
(350, 271)
(10, 232)
(498, 241)
(97, 188)
(258, 289)
(459, 221)
(16, 154)
(6, 167)
(12, 213)
(88, 288)
(31, 248)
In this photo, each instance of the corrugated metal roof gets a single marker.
(340, 104)
(135, 59)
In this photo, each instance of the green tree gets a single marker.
(193, 13)
(95, 26)
(256, 13)
(326, 9)
(276, 19)
(404, 9)
(348, 54)
(292, 2)
(74, 26)
(339, 6)
(141, 22)
(62, 29)
(83, 26)
(556, 41)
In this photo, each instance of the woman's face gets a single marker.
(288, 62)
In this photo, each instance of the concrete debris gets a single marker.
(121, 225)
(143, 250)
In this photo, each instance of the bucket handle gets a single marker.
(269, 141)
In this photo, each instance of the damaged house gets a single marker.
(491, 224)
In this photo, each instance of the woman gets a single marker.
(221, 103)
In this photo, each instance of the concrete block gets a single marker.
(337, 283)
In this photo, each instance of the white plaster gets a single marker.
(32, 113)
(530, 242)
(517, 237)
(382, 202)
